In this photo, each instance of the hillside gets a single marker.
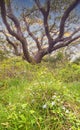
(39, 97)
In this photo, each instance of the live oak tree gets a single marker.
(54, 33)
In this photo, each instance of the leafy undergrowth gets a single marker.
(39, 97)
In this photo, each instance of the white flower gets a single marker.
(67, 111)
(53, 103)
(44, 106)
(58, 99)
(63, 108)
(54, 96)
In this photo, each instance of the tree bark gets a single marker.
(40, 54)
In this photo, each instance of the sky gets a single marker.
(25, 3)
(29, 3)
(21, 3)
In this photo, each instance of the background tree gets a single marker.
(51, 35)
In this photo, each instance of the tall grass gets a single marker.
(39, 97)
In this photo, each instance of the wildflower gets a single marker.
(63, 108)
(53, 103)
(67, 111)
(54, 96)
(58, 99)
(44, 106)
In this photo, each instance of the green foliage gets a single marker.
(55, 59)
(70, 73)
(21, 117)
(37, 97)
(2, 55)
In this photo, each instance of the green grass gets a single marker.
(39, 97)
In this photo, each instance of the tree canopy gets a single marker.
(54, 27)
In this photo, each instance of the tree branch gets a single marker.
(3, 15)
(18, 37)
(45, 13)
(31, 34)
(40, 7)
(13, 18)
(48, 7)
(63, 44)
(65, 16)
(10, 42)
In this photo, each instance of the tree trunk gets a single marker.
(39, 55)
(25, 52)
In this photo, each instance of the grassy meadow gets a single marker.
(39, 97)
